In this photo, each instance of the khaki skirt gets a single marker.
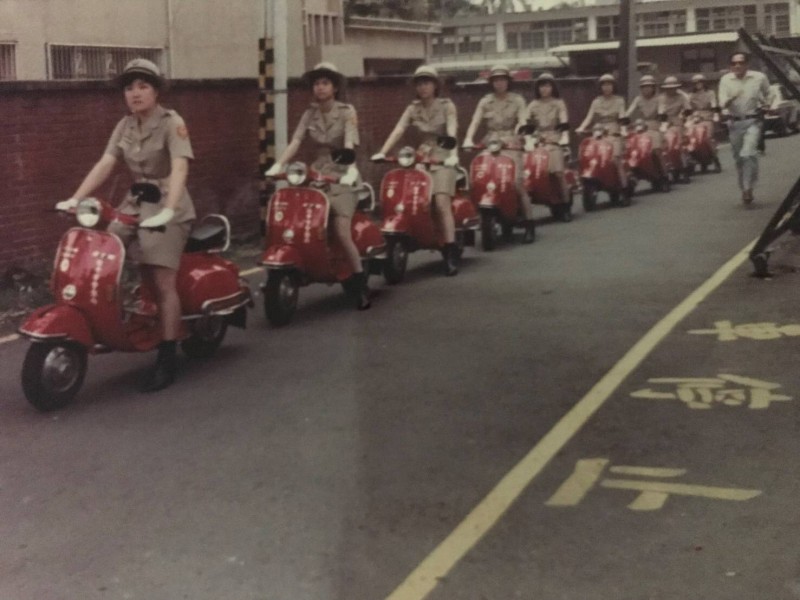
(444, 180)
(343, 200)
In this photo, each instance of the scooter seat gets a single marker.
(208, 236)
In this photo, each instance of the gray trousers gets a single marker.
(744, 143)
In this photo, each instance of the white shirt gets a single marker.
(745, 94)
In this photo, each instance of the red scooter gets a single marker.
(407, 207)
(640, 160)
(598, 172)
(300, 249)
(544, 189)
(701, 145)
(92, 314)
(675, 157)
(493, 189)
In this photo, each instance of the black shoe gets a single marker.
(530, 232)
(163, 373)
(356, 288)
(450, 255)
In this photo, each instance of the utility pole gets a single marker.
(628, 74)
(277, 29)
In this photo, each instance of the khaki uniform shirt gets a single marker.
(428, 123)
(673, 106)
(645, 109)
(607, 112)
(705, 100)
(148, 151)
(334, 130)
(502, 116)
(547, 114)
(750, 92)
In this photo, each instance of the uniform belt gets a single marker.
(745, 118)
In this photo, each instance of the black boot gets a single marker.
(163, 373)
(356, 288)
(530, 232)
(450, 255)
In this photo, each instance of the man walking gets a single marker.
(742, 92)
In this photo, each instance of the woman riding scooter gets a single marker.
(503, 112)
(703, 102)
(673, 108)
(608, 110)
(332, 125)
(646, 107)
(549, 114)
(430, 117)
(154, 143)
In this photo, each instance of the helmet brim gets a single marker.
(125, 79)
(333, 76)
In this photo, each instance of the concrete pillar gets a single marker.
(591, 28)
(691, 20)
(500, 36)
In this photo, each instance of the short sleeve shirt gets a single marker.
(704, 100)
(148, 151)
(334, 130)
(645, 109)
(607, 111)
(426, 123)
(673, 106)
(547, 114)
(502, 116)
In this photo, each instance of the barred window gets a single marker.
(8, 62)
(94, 62)
(661, 23)
(776, 19)
(607, 28)
(727, 18)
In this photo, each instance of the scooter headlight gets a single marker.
(399, 208)
(494, 146)
(288, 236)
(88, 212)
(406, 157)
(296, 173)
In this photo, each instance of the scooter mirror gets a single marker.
(345, 156)
(146, 192)
(446, 142)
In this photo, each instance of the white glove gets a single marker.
(274, 170)
(451, 161)
(468, 144)
(563, 140)
(663, 128)
(67, 205)
(378, 156)
(350, 177)
(160, 219)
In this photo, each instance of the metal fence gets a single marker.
(8, 62)
(94, 62)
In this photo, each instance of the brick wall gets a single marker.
(52, 133)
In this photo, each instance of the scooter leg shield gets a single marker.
(58, 321)
(283, 256)
(395, 224)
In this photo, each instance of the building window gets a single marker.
(525, 36)
(607, 28)
(776, 19)
(727, 18)
(455, 41)
(94, 62)
(702, 59)
(8, 62)
(564, 31)
(661, 23)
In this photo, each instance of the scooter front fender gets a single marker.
(58, 321)
(396, 224)
(285, 256)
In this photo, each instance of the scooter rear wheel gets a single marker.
(280, 297)
(206, 336)
(52, 374)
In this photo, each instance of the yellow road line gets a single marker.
(9, 338)
(488, 512)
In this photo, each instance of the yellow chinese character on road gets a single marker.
(704, 392)
(728, 332)
(652, 494)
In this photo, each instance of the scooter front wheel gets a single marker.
(206, 336)
(280, 297)
(396, 261)
(490, 231)
(52, 374)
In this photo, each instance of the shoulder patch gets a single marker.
(182, 131)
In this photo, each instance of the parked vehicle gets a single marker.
(300, 250)
(782, 116)
(701, 145)
(92, 314)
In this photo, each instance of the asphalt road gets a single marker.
(327, 459)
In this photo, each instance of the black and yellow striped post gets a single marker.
(266, 120)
